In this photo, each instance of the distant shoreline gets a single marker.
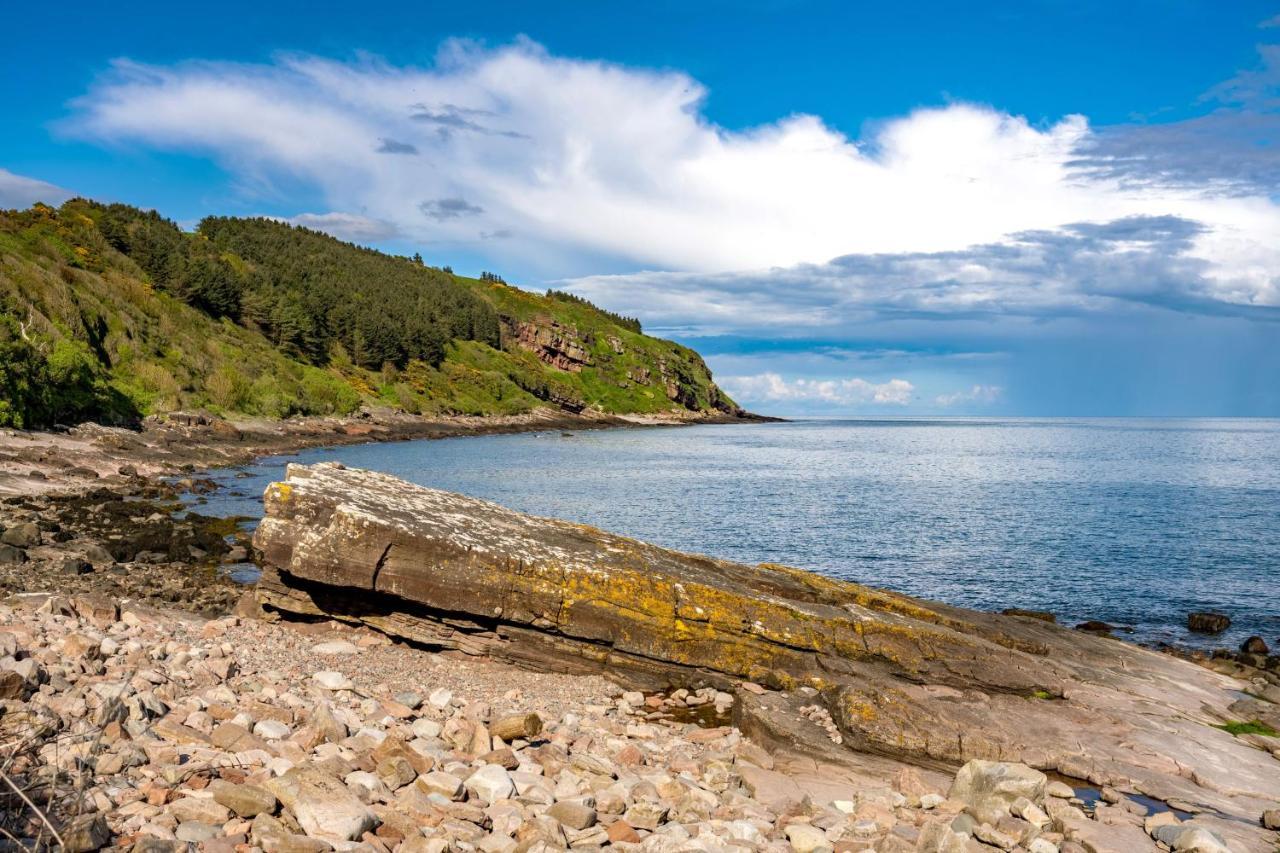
(91, 456)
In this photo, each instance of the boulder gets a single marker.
(1255, 645)
(321, 804)
(25, 535)
(1208, 623)
(245, 800)
(989, 789)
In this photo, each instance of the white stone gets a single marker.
(440, 698)
(491, 783)
(330, 680)
(807, 839)
(271, 730)
(426, 729)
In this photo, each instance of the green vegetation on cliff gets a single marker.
(109, 313)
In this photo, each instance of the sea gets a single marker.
(1133, 522)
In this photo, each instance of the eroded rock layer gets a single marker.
(899, 676)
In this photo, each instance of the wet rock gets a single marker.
(1042, 615)
(1255, 645)
(1208, 623)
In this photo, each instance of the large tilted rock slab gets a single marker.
(899, 675)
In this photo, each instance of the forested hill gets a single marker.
(110, 313)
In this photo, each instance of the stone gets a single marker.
(199, 809)
(274, 837)
(196, 833)
(335, 647)
(1271, 819)
(621, 832)
(491, 783)
(25, 535)
(1061, 790)
(1208, 623)
(396, 772)
(245, 800)
(321, 804)
(1255, 645)
(12, 555)
(573, 815)
(12, 685)
(86, 833)
(645, 814)
(807, 839)
(516, 727)
(989, 788)
(330, 680)
(271, 730)
(444, 784)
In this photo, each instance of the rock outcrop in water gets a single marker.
(934, 684)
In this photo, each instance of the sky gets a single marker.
(1033, 208)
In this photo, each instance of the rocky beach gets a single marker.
(531, 692)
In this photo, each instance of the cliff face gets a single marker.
(914, 679)
(552, 342)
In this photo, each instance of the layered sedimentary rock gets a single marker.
(935, 684)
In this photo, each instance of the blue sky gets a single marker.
(1024, 208)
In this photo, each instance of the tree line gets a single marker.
(307, 292)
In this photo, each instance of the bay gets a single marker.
(1132, 522)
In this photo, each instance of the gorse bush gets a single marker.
(43, 383)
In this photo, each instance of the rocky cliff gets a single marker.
(933, 684)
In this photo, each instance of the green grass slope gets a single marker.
(110, 313)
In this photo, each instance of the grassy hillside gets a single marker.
(112, 313)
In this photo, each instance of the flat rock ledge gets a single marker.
(887, 675)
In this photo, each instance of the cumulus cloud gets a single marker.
(772, 388)
(593, 165)
(19, 192)
(976, 394)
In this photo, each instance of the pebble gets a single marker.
(270, 750)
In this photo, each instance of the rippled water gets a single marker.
(1134, 522)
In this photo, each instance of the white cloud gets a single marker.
(587, 164)
(772, 388)
(976, 394)
(19, 192)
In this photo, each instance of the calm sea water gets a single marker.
(1134, 522)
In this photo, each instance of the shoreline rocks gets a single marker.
(172, 732)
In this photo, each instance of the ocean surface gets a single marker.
(1133, 522)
